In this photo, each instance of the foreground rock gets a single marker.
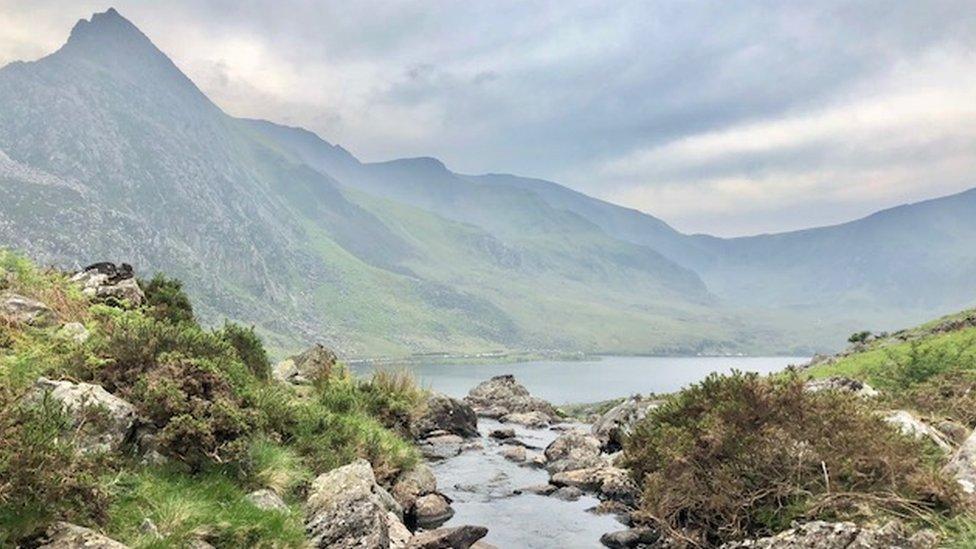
(316, 361)
(632, 537)
(63, 535)
(461, 537)
(533, 420)
(441, 446)
(912, 426)
(108, 282)
(573, 450)
(432, 510)
(611, 428)
(841, 535)
(842, 384)
(18, 309)
(962, 465)
(347, 509)
(267, 500)
(447, 414)
(103, 422)
(612, 483)
(502, 395)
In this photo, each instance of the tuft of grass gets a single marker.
(280, 468)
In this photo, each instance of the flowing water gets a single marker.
(483, 484)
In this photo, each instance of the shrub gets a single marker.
(166, 300)
(248, 347)
(42, 476)
(741, 455)
(859, 337)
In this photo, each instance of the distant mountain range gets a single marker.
(109, 152)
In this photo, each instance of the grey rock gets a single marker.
(106, 282)
(63, 535)
(345, 510)
(910, 425)
(504, 433)
(432, 510)
(267, 500)
(24, 310)
(412, 484)
(632, 537)
(533, 419)
(303, 369)
(75, 331)
(441, 446)
(461, 537)
(116, 418)
(399, 534)
(540, 489)
(573, 450)
(962, 465)
(841, 535)
(514, 453)
(502, 395)
(842, 384)
(609, 482)
(446, 414)
(567, 493)
(611, 428)
(149, 528)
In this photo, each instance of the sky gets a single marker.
(724, 117)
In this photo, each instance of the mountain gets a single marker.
(110, 152)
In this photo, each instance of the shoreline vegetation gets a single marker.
(121, 416)
(519, 357)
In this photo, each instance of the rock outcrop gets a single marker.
(962, 465)
(503, 395)
(18, 309)
(64, 535)
(912, 426)
(609, 482)
(111, 283)
(103, 421)
(432, 510)
(443, 413)
(841, 535)
(461, 537)
(573, 450)
(346, 508)
(611, 428)
(842, 384)
(316, 361)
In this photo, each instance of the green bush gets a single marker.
(42, 475)
(741, 455)
(166, 300)
(249, 348)
(859, 337)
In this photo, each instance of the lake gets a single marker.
(566, 382)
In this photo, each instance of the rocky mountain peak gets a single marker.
(108, 30)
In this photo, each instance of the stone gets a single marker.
(573, 450)
(610, 482)
(399, 534)
(345, 509)
(441, 447)
(632, 537)
(567, 493)
(842, 384)
(432, 510)
(460, 537)
(962, 465)
(540, 489)
(64, 535)
(502, 434)
(446, 414)
(267, 500)
(912, 426)
(534, 419)
(149, 528)
(841, 535)
(611, 427)
(106, 421)
(74, 331)
(514, 453)
(107, 282)
(412, 484)
(316, 361)
(953, 430)
(18, 309)
(502, 395)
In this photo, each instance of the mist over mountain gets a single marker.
(109, 152)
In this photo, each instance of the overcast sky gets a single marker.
(724, 117)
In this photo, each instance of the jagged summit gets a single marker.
(110, 29)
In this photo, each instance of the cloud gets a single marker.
(727, 116)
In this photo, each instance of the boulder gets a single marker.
(412, 484)
(962, 465)
(502, 434)
(267, 500)
(842, 384)
(316, 361)
(912, 426)
(18, 309)
(841, 535)
(63, 535)
(502, 395)
(609, 482)
(534, 419)
(441, 446)
(573, 450)
(432, 510)
(346, 509)
(461, 537)
(399, 534)
(567, 493)
(75, 331)
(611, 428)
(514, 453)
(103, 422)
(108, 282)
(444, 413)
(540, 489)
(632, 537)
